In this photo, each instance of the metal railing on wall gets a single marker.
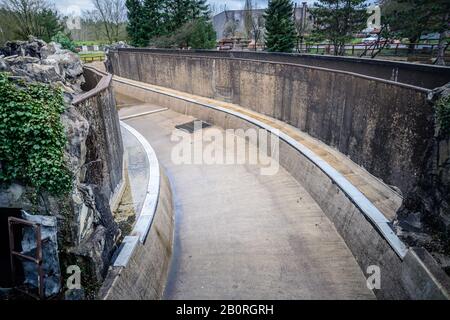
(391, 49)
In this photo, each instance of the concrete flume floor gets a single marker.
(242, 235)
(386, 198)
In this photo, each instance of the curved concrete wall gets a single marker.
(425, 76)
(407, 273)
(140, 265)
(145, 274)
(104, 140)
(381, 125)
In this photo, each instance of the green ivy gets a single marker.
(65, 41)
(32, 137)
(443, 114)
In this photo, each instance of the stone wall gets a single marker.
(381, 125)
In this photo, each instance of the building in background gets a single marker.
(230, 23)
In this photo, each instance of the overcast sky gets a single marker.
(68, 6)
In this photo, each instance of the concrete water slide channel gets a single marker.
(243, 235)
(317, 227)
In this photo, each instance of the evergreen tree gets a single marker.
(280, 29)
(135, 23)
(180, 12)
(155, 17)
(196, 34)
(149, 20)
(49, 24)
(338, 20)
(203, 35)
(177, 13)
(199, 9)
(413, 18)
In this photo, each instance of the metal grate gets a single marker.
(37, 259)
(193, 126)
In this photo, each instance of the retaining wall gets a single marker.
(104, 140)
(145, 274)
(384, 126)
(421, 75)
(140, 266)
(406, 273)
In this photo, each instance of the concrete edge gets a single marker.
(378, 220)
(132, 246)
(140, 272)
(114, 201)
(422, 276)
(145, 219)
(292, 54)
(144, 222)
(102, 85)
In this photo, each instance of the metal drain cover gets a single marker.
(192, 126)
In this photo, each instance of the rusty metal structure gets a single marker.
(37, 259)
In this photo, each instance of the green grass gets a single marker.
(92, 56)
(91, 43)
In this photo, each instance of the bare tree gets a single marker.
(302, 26)
(230, 26)
(25, 13)
(257, 28)
(248, 18)
(112, 14)
(253, 22)
(443, 43)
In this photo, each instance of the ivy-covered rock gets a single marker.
(32, 138)
(50, 151)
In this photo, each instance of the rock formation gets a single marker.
(35, 60)
(86, 230)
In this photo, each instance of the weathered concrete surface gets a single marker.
(423, 278)
(420, 75)
(364, 240)
(104, 142)
(242, 235)
(145, 275)
(138, 106)
(138, 169)
(366, 244)
(424, 218)
(386, 199)
(381, 125)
